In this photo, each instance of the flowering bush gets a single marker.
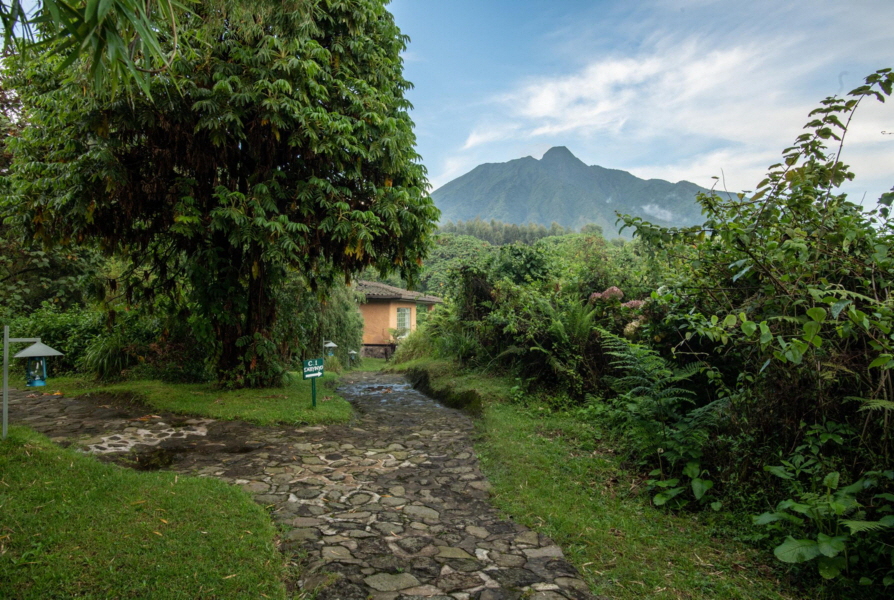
(612, 293)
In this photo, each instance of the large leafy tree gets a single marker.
(277, 140)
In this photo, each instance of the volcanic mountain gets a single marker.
(561, 188)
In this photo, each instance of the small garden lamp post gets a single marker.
(352, 358)
(329, 348)
(36, 367)
(36, 370)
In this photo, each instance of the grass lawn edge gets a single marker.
(288, 405)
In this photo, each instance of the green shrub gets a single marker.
(174, 358)
(416, 345)
(786, 303)
(120, 346)
(332, 365)
(69, 331)
(108, 356)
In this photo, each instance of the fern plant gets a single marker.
(649, 387)
(564, 346)
(655, 409)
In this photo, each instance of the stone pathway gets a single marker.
(391, 506)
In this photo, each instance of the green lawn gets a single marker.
(371, 364)
(74, 527)
(71, 526)
(290, 404)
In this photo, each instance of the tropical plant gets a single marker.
(849, 526)
(29, 275)
(68, 330)
(657, 413)
(786, 300)
(417, 344)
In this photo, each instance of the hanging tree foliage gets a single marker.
(117, 39)
(277, 140)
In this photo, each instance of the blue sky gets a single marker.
(685, 89)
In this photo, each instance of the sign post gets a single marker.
(312, 369)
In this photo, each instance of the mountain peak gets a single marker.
(559, 153)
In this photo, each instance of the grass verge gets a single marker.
(75, 527)
(290, 404)
(546, 475)
(552, 473)
(445, 379)
(371, 364)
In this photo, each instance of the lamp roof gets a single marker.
(37, 349)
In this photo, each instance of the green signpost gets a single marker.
(312, 369)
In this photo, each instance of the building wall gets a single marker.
(375, 322)
(380, 317)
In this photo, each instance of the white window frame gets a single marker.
(409, 320)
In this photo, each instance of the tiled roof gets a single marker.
(380, 291)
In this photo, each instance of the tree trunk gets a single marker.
(248, 356)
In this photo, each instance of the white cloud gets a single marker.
(653, 210)
(490, 133)
(452, 168)
(409, 56)
(688, 89)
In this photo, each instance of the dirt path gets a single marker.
(390, 506)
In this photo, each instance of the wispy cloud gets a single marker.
(689, 99)
(667, 90)
(410, 56)
(659, 213)
(486, 133)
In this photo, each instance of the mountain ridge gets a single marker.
(561, 188)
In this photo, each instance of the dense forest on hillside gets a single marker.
(499, 233)
(743, 363)
(466, 242)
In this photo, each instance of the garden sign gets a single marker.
(312, 369)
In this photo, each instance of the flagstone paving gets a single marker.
(392, 506)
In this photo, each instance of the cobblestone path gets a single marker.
(390, 506)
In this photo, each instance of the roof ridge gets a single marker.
(377, 289)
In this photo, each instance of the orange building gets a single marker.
(389, 312)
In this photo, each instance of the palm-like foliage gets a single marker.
(569, 333)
